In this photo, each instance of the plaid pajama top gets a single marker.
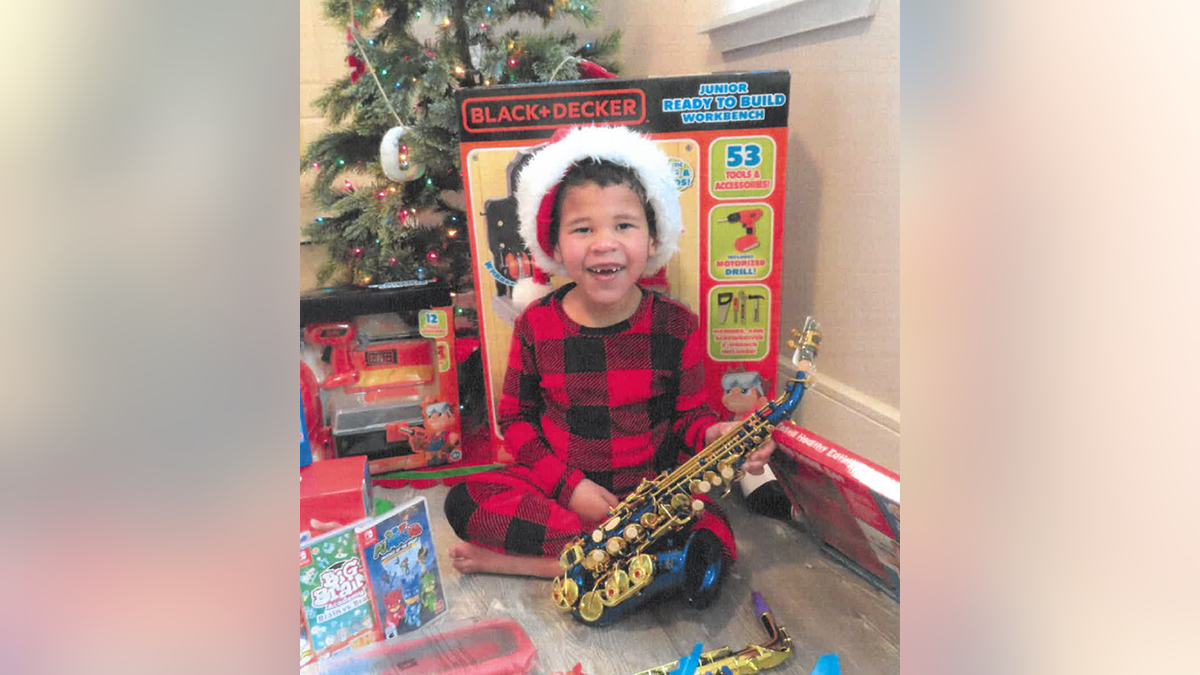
(614, 404)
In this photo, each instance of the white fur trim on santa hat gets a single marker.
(616, 144)
(527, 291)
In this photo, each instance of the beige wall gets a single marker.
(841, 243)
(322, 60)
(842, 237)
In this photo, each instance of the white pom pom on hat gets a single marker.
(532, 288)
(538, 184)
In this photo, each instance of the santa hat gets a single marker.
(539, 181)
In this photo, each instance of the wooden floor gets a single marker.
(824, 607)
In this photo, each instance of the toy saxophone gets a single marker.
(647, 546)
(750, 659)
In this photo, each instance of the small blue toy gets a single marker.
(827, 665)
(689, 663)
(412, 615)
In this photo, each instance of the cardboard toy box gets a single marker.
(378, 374)
(851, 504)
(334, 493)
(726, 136)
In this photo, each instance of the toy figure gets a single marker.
(394, 603)
(411, 584)
(443, 444)
(428, 586)
(412, 615)
(438, 443)
(428, 596)
(743, 393)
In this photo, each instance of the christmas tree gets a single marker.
(393, 121)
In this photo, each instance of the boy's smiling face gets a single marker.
(604, 242)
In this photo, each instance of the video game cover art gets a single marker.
(335, 595)
(407, 587)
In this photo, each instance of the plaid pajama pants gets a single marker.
(504, 511)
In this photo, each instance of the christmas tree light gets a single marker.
(381, 237)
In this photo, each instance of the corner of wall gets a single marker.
(863, 424)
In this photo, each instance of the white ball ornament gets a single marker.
(389, 155)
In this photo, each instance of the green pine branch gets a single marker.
(370, 231)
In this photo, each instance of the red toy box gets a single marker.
(850, 503)
(334, 493)
(378, 374)
(493, 647)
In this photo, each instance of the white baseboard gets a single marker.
(859, 422)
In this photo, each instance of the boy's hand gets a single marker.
(756, 460)
(592, 501)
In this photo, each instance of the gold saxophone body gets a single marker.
(644, 547)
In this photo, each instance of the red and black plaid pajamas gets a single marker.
(614, 405)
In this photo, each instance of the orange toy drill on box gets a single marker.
(338, 337)
(369, 367)
(746, 218)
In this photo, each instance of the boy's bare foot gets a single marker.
(471, 559)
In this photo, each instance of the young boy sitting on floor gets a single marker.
(605, 380)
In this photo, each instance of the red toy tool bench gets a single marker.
(381, 360)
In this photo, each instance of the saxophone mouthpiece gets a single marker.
(808, 342)
(760, 605)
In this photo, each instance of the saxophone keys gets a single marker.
(649, 520)
(570, 592)
(616, 585)
(615, 546)
(590, 607)
(680, 502)
(699, 486)
(597, 536)
(641, 569)
(697, 505)
(727, 472)
(566, 592)
(712, 477)
(597, 557)
(571, 556)
(632, 532)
